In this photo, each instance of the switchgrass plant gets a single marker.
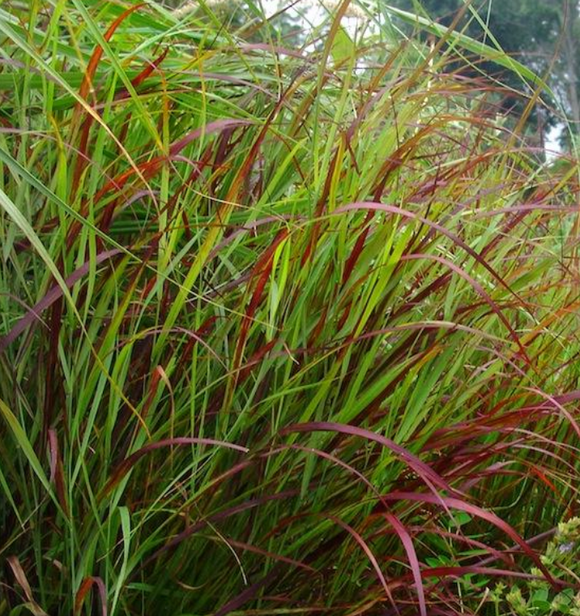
(284, 332)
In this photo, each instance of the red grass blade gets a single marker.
(369, 554)
(475, 511)
(87, 584)
(22, 581)
(85, 89)
(191, 530)
(125, 466)
(56, 470)
(427, 474)
(54, 294)
(399, 529)
(393, 209)
(477, 287)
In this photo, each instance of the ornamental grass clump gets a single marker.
(283, 331)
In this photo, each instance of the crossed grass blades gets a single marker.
(284, 330)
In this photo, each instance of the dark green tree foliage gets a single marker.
(539, 33)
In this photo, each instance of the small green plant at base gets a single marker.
(537, 597)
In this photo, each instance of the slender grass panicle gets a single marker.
(352, 10)
(189, 7)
